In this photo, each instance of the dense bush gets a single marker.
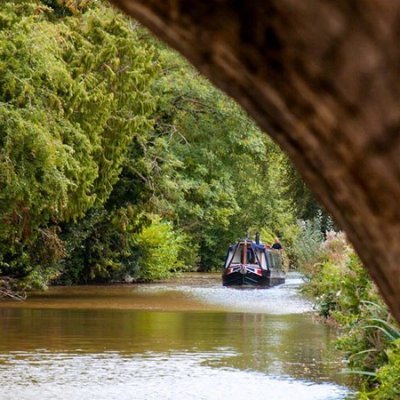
(100, 246)
(304, 245)
(110, 143)
(73, 94)
(368, 334)
(157, 251)
(387, 377)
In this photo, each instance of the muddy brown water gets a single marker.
(189, 338)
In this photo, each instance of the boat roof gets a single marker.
(253, 244)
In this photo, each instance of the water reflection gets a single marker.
(196, 350)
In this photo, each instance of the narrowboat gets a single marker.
(251, 263)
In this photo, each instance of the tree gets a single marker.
(321, 79)
(66, 123)
(205, 166)
(306, 205)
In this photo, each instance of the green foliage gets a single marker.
(369, 336)
(101, 245)
(383, 383)
(119, 162)
(387, 377)
(158, 249)
(366, 337)
(73, 94)
(340, 286)
(304, 245)
(67, 7)
(205, 167)
(111, 145)
(306, 207)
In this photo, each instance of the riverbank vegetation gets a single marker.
(345, 295)
(117, 160)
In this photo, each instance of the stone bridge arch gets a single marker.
(323, 79)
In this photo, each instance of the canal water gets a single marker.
(186, 339)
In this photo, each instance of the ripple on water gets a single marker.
(199, 373)
(48, 376)
(279, 300)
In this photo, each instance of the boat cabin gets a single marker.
(252, 263)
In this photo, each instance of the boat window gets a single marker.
(238, 256)
(261, 257)
(228, 258)
(251, 258)
(274, 259)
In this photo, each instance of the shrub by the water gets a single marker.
(369, 335)
(157, 253)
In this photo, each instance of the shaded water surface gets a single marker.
(187, 339)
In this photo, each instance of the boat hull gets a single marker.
(250, 279)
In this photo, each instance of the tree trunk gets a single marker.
(322, 78)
